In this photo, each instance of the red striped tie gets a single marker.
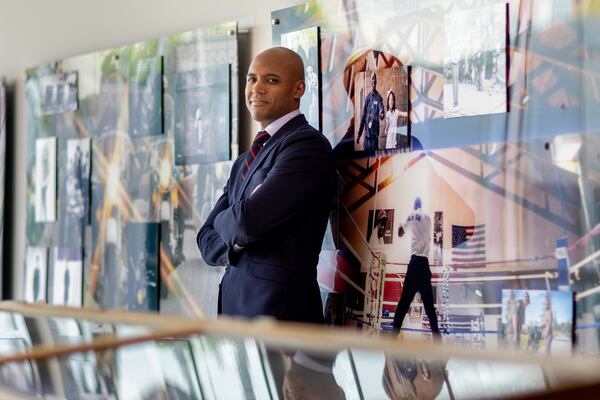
(257, 145)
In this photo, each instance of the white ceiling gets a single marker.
(33, 32)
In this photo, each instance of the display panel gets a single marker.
(115, 154)
(2, 171)
(202, 120)
(509, 185)
(145, 97)
(305, 42)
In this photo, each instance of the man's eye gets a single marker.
(273, 80)
(252, 80)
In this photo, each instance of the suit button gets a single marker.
(226, 263)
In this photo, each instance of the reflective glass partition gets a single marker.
(229, 359)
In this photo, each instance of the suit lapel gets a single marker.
(269, 146)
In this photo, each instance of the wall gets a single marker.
(33, 32)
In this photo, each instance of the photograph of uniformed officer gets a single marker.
(372, 112)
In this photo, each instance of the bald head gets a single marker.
(289, 58)
(274, 84)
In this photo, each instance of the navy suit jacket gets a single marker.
(280, 227)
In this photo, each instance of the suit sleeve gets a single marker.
(302, 176)
(212, 248)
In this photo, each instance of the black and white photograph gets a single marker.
(78, 179)
(305, 42)
(67, 277)
(381, 109)
(381, 230)
(141, 251)
(45, 179)
(59, 93)
(475, 61)
(150, 176)
(36, 272)
(203, 115)
(438, 237)
(145, 97)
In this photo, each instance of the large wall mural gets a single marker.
(127, 148)
(501, 157)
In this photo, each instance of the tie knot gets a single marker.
(261, 138)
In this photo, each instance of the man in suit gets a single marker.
(268, 225)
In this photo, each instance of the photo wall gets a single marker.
(2, 173)
(127, 149)
(492, 134)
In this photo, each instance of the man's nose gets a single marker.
(259, 87)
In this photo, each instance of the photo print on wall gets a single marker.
(539, 321)
(59, 93)
(203, 115)
(475, 61)
(145, 97)
(36, 271)
(141, 251)
(381, 106)
(305, 42)
(67, 277)
(381, 231)
(45, 179)
(78, 179)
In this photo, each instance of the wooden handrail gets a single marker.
(306, 337)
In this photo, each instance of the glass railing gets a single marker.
(141, 356)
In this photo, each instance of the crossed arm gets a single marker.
(301, 177)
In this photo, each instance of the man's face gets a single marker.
(271, 89)
(374, 82)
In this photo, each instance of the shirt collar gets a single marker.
(276, 125)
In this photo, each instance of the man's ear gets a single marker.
(299, 90)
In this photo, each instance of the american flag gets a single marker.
(468, 245)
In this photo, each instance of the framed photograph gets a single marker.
(145, 97)
(539, 321)
(381, 230)
(67, 277)
(381, 109)
(36, 272)
(475, 61)
(150, 177)
(59, 93)
(203, 115)
(78, 179)
(141, 252)
(305, 42)
(45, 180)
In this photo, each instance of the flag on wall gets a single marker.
(468, 246)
